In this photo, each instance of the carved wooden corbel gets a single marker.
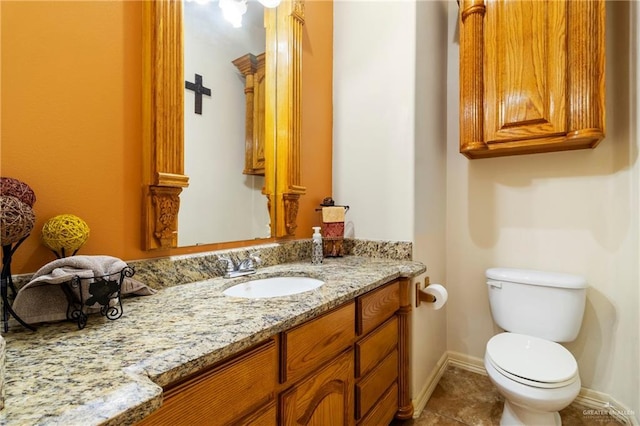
(291, 202)
(166, 204)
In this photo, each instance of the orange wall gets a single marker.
(71, 118)
(317, 112)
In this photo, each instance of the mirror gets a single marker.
(224, 200)
(163, 121)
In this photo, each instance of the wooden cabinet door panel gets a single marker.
(525, 65)
(325, 398)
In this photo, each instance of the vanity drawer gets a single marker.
(224, 393)
(377, 345)
(376, 306)
(385, 410)
(374, 384)
(306, 347)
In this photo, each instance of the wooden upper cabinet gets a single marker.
(531, 76)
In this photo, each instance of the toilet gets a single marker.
(537, 376)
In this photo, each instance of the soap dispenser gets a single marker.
(316, 246)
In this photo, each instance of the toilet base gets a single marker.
(514, 415)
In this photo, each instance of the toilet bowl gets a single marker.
(537, 378)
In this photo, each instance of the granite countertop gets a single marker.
(112, 372)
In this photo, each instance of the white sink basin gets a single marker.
(273, 287)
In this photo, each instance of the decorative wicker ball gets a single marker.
(16, 220)
(17, 188)
(327, 201)
(65, 231)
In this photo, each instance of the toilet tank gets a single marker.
(548, 305)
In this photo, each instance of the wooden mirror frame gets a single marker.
(163, 119)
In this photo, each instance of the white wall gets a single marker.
(221, 203)
(389, 139)
(374, 117)
(429, 234)
(574, 212)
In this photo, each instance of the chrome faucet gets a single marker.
(229, 264)
(244, 267)
(251, 263)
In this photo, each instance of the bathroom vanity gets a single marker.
(341, 366)
(340, 350)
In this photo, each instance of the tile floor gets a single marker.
(466, 398)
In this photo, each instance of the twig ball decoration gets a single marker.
(16, 220)
(16, 188)
(65, 231)
(327, 202)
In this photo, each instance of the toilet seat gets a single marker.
(532, 361)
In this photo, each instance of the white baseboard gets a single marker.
(598, 402)
(423, 397)
(466, 362)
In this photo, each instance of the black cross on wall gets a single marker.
(199, 90)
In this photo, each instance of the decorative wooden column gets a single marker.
(472, 75)
(405, 405)
(252, 68)
(288, 68)
(585, 58)
(163, 104)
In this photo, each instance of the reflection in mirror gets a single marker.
(163, 174)
(224, 200)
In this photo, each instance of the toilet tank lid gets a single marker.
(533, 277)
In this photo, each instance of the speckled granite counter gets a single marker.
(111, 372)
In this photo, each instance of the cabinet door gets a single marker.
(525, 66)
(325, 398)
(531, 76)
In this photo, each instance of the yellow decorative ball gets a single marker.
(65, 234)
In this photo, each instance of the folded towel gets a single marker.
(41, 300)
(333, 214)
(333, 230)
